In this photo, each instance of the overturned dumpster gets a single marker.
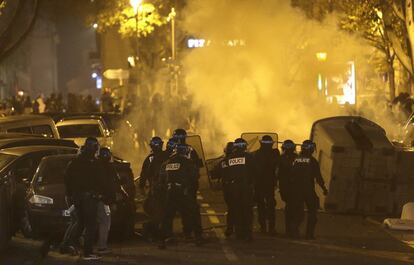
(404, 178)
(357, 163)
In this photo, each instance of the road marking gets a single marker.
(211, 215)
(228, 252)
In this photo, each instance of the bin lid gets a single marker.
(339, 133)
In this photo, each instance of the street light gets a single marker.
(321, 56)
(135, 5)
(171, 17)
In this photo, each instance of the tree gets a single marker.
(373, 20)
(151, 39)
(368, 19)
(122, 15)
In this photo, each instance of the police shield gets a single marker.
(253, 139)
(196, 143)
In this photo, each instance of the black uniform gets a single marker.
(221, 172)
(266, 161)
(193, 156)
(179, 174)
(304, 173)
(109, 182)
(81, 179)
(154, 204)
(240, 192)
(284, 177)
(145, 175)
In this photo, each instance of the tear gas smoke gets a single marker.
(267, 81)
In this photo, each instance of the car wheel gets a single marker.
(5, 234)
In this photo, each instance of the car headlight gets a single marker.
(40, 200)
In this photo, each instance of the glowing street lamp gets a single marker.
(135, 5)
(321, 56)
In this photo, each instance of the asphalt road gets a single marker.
(341, 240)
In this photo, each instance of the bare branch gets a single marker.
(399, 51)
(398, 10)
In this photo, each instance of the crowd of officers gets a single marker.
(173, 176)
(252, 178)
(247, 179)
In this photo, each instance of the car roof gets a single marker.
(23, 150)
(15, 118)
(59, 157)
(4, 135)
(78, 122)
(44, 141)
(82, 117)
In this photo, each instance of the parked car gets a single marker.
(47, 208)
(79, 129)
(105, 126)
(17, 166)
(29, 124)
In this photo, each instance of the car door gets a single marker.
(23, 171)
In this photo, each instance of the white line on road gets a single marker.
(212, 216)
(228, 252)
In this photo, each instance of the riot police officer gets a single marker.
(266, 160)
(170, 146)
(284, 177)
(305, 172)
(156, 145)
(110, 185)
(81, 183)
(179, 174)
(180, 136)
(220, 172)
(150, 174)
(240, 188)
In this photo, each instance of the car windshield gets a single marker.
(79, 131)
(51, 171)
(5, 159)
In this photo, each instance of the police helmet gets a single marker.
(90, 146)
(172, 142)
(240, 145)
(229, 148)
(156, 143)
(105, 154)
(181, 149)
(288, 146)
(267, 139)
(180, 135)
(308, 147)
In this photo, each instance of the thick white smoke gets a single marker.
(268, 81)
